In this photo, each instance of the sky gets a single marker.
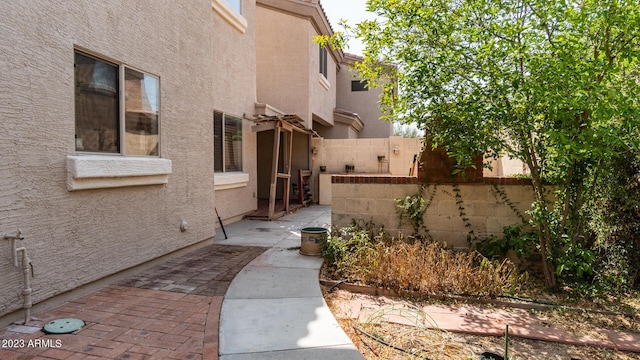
(351, 10)
(354, 11)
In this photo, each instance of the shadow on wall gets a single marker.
(453, 210)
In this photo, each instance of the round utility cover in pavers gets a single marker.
(63, 326)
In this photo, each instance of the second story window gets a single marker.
(231, 12)
(323, 61)
(227, 142)
(359, 85)
(236, 5)
(117, 108)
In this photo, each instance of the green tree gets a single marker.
(551, 82)
(406, 130)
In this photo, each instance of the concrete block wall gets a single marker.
(363, 154)
(373, 200)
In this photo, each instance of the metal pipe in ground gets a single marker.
(27, 272)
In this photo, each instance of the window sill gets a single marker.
(230, 15)
(104, 171)
(324, 82)
(232, 180)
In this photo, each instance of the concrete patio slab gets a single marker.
(278, 257)
(290, 242)
(345, 352)
(261, 325)
(274, 283)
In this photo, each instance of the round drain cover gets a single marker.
(63, 326)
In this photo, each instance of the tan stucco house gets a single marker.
(355, 96)
(107, 134)
(313, 88)
(125, 125)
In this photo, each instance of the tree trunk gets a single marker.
(545, 239)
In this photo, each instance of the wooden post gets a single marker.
(274, 171)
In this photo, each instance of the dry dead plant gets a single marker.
(431, 268)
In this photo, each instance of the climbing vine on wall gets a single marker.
(462, 212)
(412, 209)
(502, 195)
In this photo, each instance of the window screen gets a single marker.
(97, 105)
(227, 142)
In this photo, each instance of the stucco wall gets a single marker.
(363, 153)
(283, 61)
(322, 101)
(339, 131)
(288, 64)
(486, 211)
(77, 237)
(506, 166)
(234, 74)
(364, 103)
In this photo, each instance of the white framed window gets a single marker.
(117, 112)
(323, 61)
(227, 143)
(236, 5)
(117, 108)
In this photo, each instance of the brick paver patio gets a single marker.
(170, 311)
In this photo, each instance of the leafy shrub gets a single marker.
(523, 244)
(411, 210)
(616, 272)
(576, 264)
(614, 219)
(348, 249)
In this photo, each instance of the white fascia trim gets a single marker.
(104, 171)
(230, 180)
(230, 15)
(324, 82)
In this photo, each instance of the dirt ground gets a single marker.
(409, 342)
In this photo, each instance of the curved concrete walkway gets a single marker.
(274, 308)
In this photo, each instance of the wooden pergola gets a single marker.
(283, 125)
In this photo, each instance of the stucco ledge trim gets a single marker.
(231, 180)
(230, 15)
(103, 171)
(324, 82)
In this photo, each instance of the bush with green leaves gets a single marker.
(553, 83)
(614, 219)
(411, 210)
(349, 249)
(514, 238)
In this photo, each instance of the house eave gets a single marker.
(348, 118)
